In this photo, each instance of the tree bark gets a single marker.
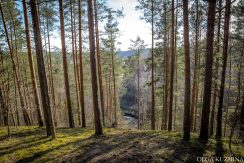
(152, 81)
(187, 98)
(51, 76)
(165, 103)
(194, 85)
(41, 72)
(65, 67)
(225, 55)
(98, 125)
(172, 67)
(114, 83)
(99, 66)
(204, 134)
(74, 56)
(82, 103)
(211, 131)
(32, 70)
(228, 98)
(138, 91)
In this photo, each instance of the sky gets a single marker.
(130, 26)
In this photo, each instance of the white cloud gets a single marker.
(130, 26)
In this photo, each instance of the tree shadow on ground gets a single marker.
(136, 147)
(17, 133)
(188, 151)
(116, 146)
(23, 145)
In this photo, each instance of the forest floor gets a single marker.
(29, 144)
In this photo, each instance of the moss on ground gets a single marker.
(29, 144)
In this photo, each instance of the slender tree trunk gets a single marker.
(51, 76)
(98, 126)
(225, 55)
(110, 94)
(81, 69)
(175, 95)
(65, 67)
(16, 102)
(165, 104)
(74, 56)
(208, 72)
(19, 74)
(176, 88)
(238, 105)
(215, 94)
(197, 92)
(194, 85)
(77, 72)
(187, 96)
(211, 131)
(172, 67)
(3, 108)
(138, 91)
(3, 117)
(41, 72)
(114, 84)
(32, 70)
(99, 66)
(228, 99)
(152, 81)
(16, 74)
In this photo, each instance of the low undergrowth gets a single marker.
(29, 144)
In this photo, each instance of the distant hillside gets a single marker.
(124, 54)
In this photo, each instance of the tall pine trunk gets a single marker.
(82, 103)
(228, 98)
(99, 66)
(114, 83)
(187, 94)
(32, 70)
(194, 85)
(74, 56)
(212, 120)
(65, 67)
(165, 94)
(225, 55)
(152, 81)
(98, 125)
(41, 72)
(138, 91)
(208, 72)
(171, 96)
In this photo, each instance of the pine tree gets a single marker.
(41, 72)
(98, 125)
(65, 67)
(32, 70)
(187, 94)
(225, 55)
(81, 67)
(208, 72)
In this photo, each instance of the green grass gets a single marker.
(29, 144)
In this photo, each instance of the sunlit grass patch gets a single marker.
(30, 144)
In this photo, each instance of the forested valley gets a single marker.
(176, 97)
